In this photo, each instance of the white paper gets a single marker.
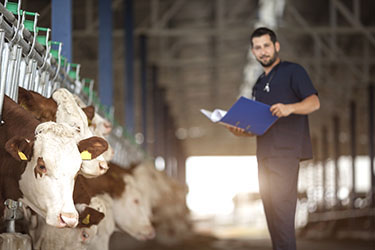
(215, 115)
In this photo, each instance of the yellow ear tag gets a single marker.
(86, 155)
(22, 156)
(86, 220)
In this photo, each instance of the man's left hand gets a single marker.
(281, 110)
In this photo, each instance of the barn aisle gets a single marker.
(201, 242)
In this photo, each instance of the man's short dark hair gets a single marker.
(263, 31)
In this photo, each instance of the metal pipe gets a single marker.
(336, 154)
(353, 148)
(16, 75)
(324, 165)
(2, 83)
(144, 89)
(11, 65)
(371, 143)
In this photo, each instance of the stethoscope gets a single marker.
(267, 87)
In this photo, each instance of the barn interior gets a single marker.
(150, 66)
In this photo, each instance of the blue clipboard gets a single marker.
(253, 116)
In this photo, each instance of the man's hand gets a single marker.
(239, 131)
(304, 107)
(281, 110)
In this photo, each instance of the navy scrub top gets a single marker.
(289, 136)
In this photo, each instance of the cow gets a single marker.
(170, 215)
(39, 163)
(127, 208)
(61, 107)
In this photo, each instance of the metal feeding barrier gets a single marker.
(30, 60)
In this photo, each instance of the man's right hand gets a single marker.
(239, 131)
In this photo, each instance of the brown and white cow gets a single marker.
(61, 107)
(39, 162)
(170, 215)
(127, 209)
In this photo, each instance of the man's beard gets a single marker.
(270, 62)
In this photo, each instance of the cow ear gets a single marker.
(92, 147)
(89, 217)
(90, 112)
(20, 148)
(25, 98)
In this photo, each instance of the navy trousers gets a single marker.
(278, 179)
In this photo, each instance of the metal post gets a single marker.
(324, 151)
(336, 154)
(45, 83)
(371, 143)
(155, 113)
(143, 57)
(31, 82)
(11, 65)
(2, 78)
(353, 139)
(129, 57)
(14, 72)
(105, 53)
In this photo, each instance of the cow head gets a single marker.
(132, 211)
(43, 109)
(68, 111)
(53, 161)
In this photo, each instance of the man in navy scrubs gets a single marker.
(287, 88)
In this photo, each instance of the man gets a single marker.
(287, 88)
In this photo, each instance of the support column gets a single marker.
(155, 107)
(353, 142)
(105, 53)
(371, 143)
(324, 165)
(129, 59)
(336, 154)
(61, 15)
(143, 57)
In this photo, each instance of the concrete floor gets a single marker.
(201, 242)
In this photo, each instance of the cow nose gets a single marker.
(103, 166)
(70, 219)
(150, 232)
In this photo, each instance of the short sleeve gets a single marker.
(301, 82)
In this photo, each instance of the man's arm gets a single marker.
(304, 107)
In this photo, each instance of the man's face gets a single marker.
(265, 51)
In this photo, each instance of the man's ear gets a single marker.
(90, 112)
(89, 217)
(277, 46)
(19, 148)
(92, 147)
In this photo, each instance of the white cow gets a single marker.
(68, 111)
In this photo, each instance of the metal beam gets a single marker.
(353, 20)
(105, 53)
(171, 12)
(62, 26)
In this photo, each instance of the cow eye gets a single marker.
(41, 166)
(85, 235)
